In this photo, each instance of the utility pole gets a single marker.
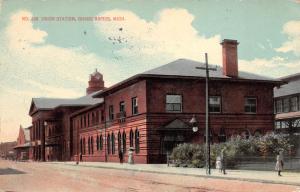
(207, 130)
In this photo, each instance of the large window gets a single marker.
(101, 142)
(286, 105)
(134, 103)
(215, 104)
(279, 106)
(124, 142)
(294, 104)
(108, 144)
(250, 105)
(113, 143)
(131, 138)
(173, 103)
(119, 141)
(111, 112)
(92, 145)
(137, 141)
(97, 142)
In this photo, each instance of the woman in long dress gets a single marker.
(279, 164)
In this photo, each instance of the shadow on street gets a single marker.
(10, 171)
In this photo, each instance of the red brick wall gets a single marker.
(232, 118)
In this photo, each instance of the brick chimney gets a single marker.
(96, 82)
(230, 57)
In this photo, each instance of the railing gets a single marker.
(263, 163)
(121, 117)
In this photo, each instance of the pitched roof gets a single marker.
(186, 67)
(292, 87)
(52, 103)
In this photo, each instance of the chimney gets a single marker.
(230, 57)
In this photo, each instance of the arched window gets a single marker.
(101, 142)
(124, 142)
(119, 141)
(113, 143)
(137, 141)
(92, 145)
(83, 145)
(131, 138)
(97, 142)
(89, 145)
(108, 144)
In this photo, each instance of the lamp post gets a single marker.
(193, 120)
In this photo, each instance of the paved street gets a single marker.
(32, 176)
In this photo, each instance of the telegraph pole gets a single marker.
(207, 130)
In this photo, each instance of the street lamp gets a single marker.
(194, 123)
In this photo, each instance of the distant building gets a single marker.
(23, 144)
(7, 150)
(287, 105)
(50, 134)
(151, 111)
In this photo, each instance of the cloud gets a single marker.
(31, 67)
(292, 30)
(170, 36)
(275, 67)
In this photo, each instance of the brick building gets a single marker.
(51, 134)
(151, 111)
(23, 144)
(287, 105)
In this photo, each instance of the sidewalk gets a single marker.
(288, 178)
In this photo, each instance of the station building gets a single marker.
(23, 144)
(150, 112)
(287, 105)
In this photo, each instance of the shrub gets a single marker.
(193, 155)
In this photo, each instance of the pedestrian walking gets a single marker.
(219, 164)
(279, 163)
(121, 156)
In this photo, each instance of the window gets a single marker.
(134, 102)
(81, 151)
(173, 103)
(122, 106)
(119, 141)
(84, 146)
(89, 145)
(101, 142)
(108, 144)
(131, 138)
(294, 104)
(277, 124)
(124, 142)
(102, 115)
(137, 141)
(97, 142)
(92, 145)
(279, 106)
(113, 143)
(111, 112)
(250, 105)
(215, 104)
(286, 105)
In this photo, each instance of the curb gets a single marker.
(186, 174)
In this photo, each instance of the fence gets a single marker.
(291, 163)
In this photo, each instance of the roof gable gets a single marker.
(176, 124)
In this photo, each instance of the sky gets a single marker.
(48, 48)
